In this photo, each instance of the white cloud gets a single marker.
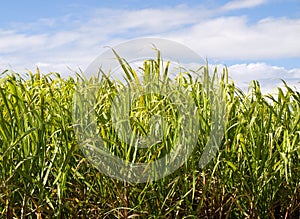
(269, 76)
(241, 4)
(11, 41)
(210, 36)
(234, 38)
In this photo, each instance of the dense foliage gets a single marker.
(43, 172)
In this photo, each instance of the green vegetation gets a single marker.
(43, 172)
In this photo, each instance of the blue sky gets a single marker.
(256, 39)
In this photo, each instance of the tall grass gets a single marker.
(44, 173)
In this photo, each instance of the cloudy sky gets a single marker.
(256, 39)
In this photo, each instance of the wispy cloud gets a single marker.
(210, 35)
(234, 38)
(241, 4)
(12, 41)
(269, 76)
